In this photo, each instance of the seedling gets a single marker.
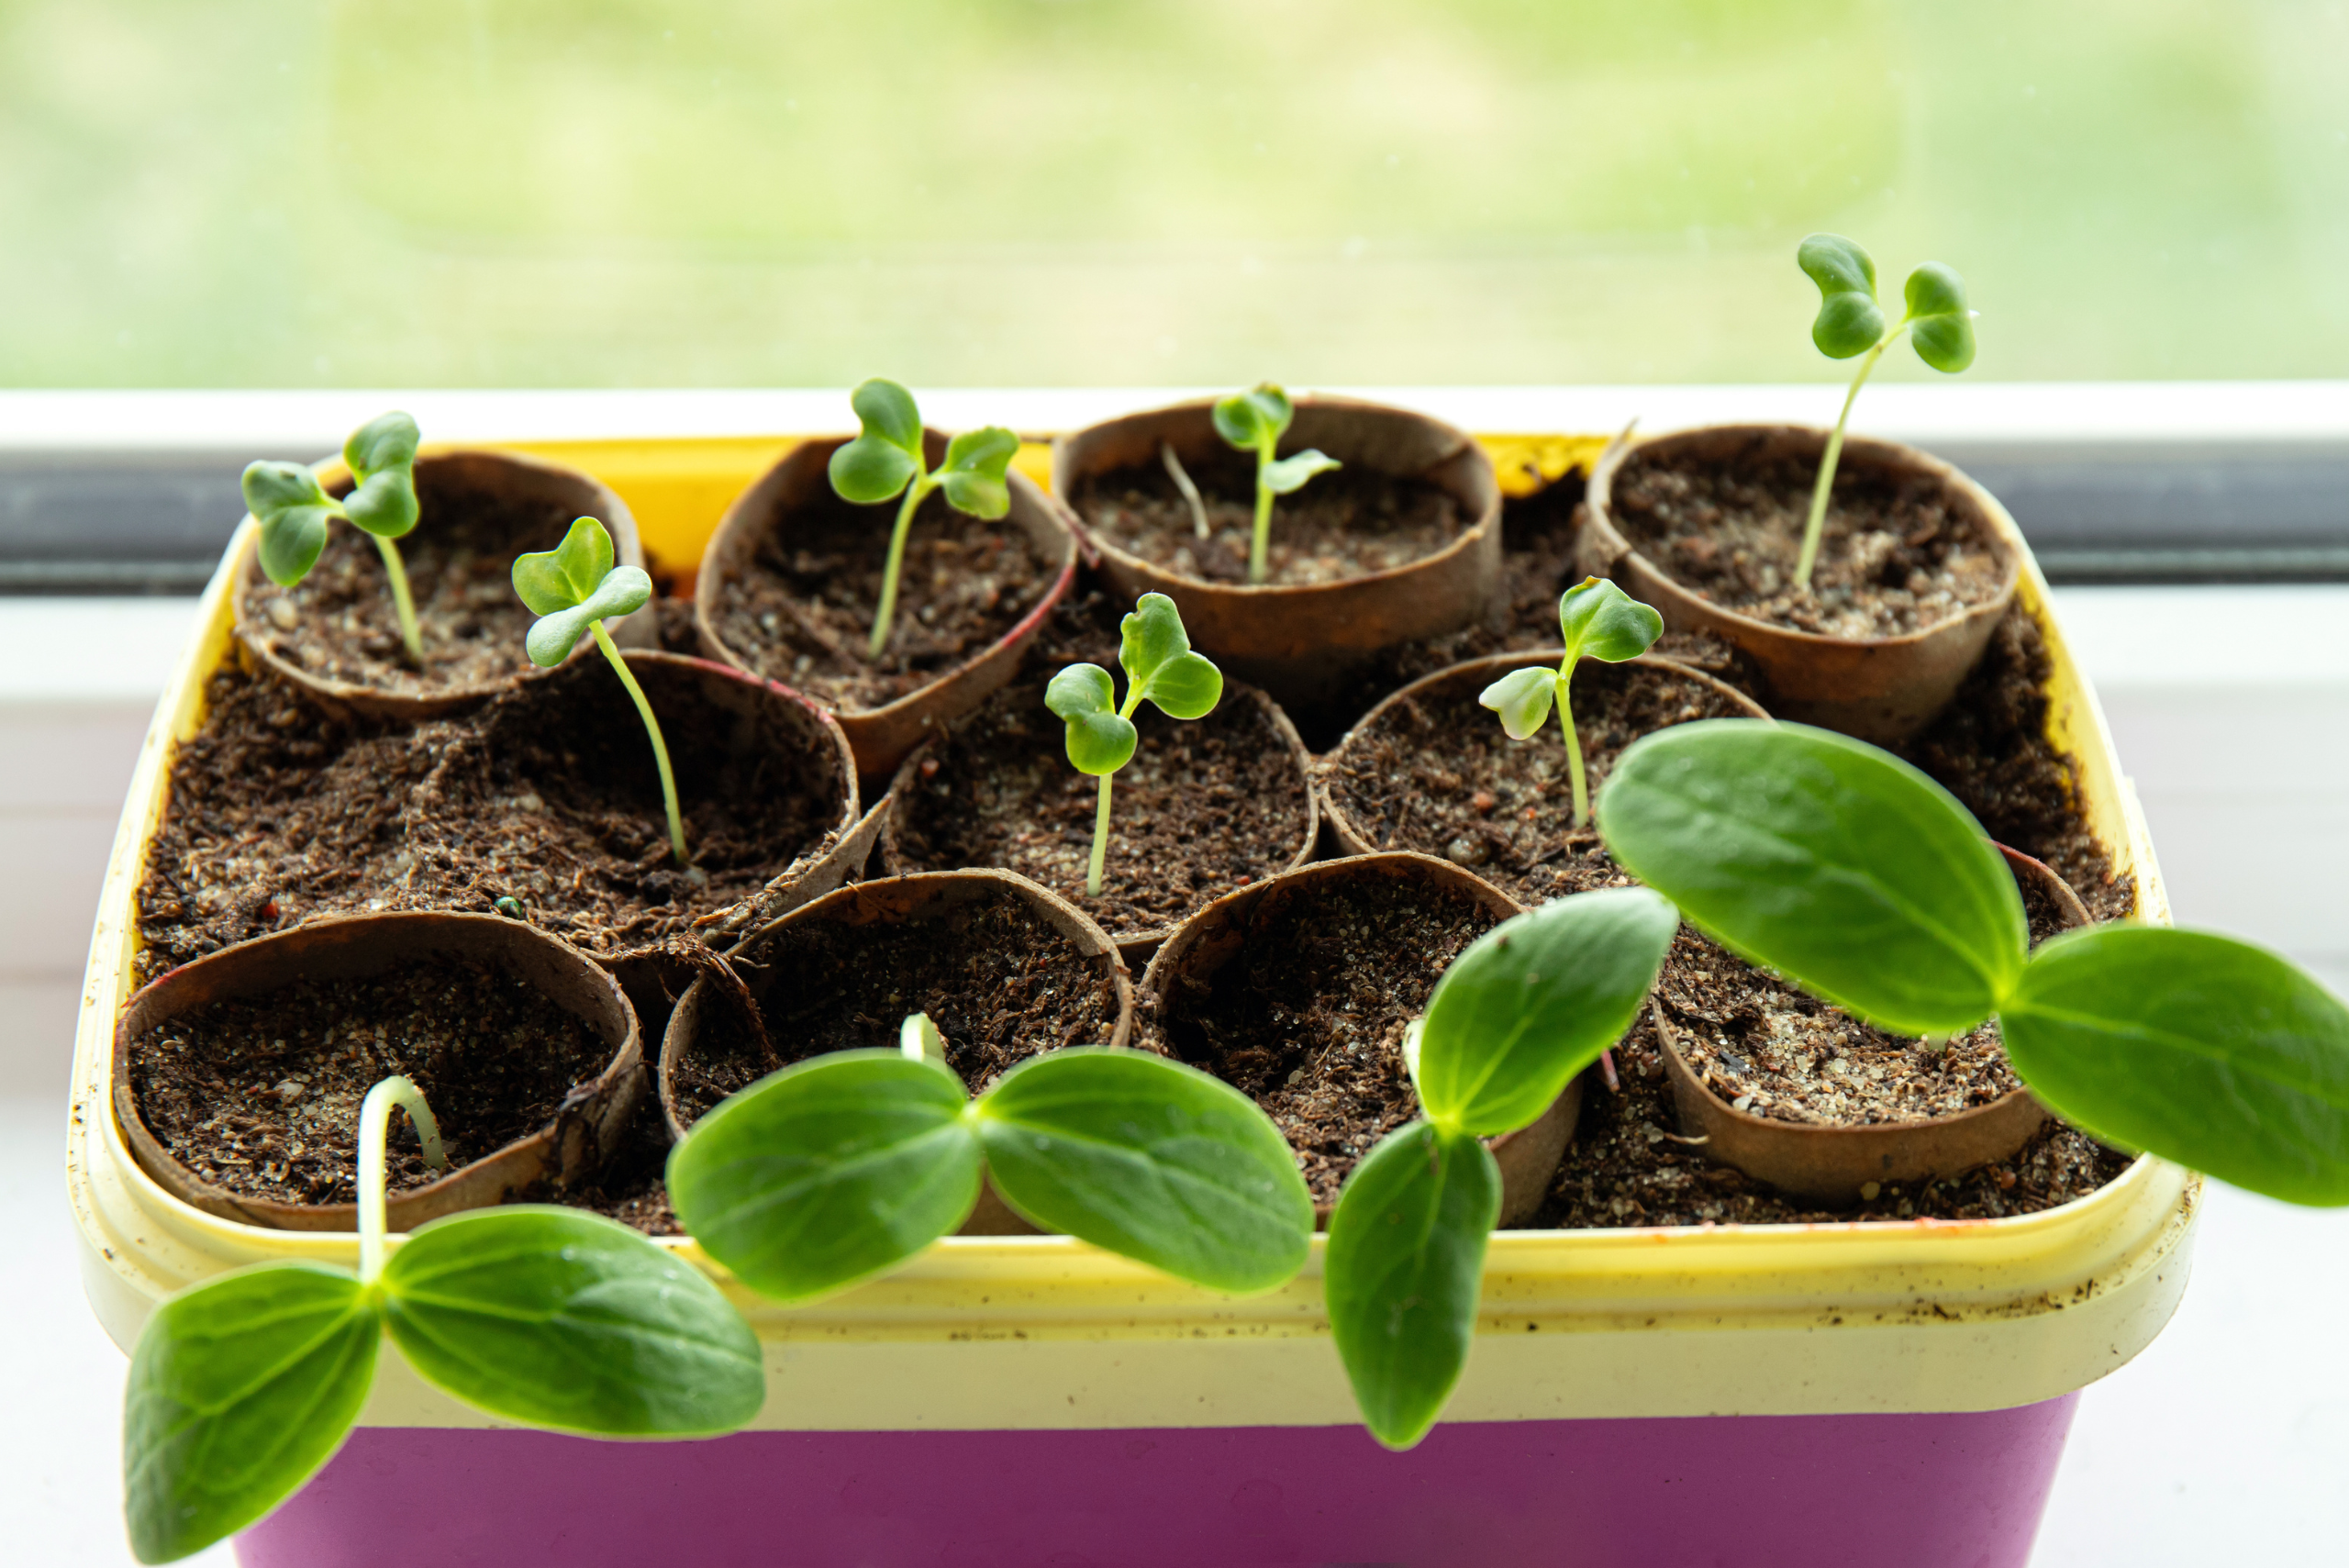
(887, 458)
(291, 507)
(1254, 421)
(1529, 1004)
(242, 1387)
(1155, 653)
(1851, 322)
(573, 589)
(1597, 620)
(840, 1167)
(1864, 881)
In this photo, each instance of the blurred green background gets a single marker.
(598, 192)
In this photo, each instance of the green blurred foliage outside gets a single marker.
(1042, 192)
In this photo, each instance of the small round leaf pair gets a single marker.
(839, 1167)
(572, 585)
(1857, 876)
(293, 508)
(242, 1388)
(886, 456)
(1254, 421)
(1155, 653)
(1850, 322)
(1597, 620)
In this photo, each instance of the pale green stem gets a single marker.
(659, 747)
(1259, 548)
(1574, 746)
(402, 600)
(375, 1131)
(1816, 523)
(1191, 497)
(920, 488)
(1100, 841)
(1934, 1042)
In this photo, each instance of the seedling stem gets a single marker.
(374, 1130)
(886, 615)
(1816, 523)
(403, 601)
(652, 729)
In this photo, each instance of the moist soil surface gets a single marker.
(546, 793)
(1775, 1051)
(1626, 1167)
(1349, 522)
(1206, 806)
(800, 610)
(1000, 983)
(1437, 775)
(339, 622)
(1308, 1017)
(261, 1096)
(1895, 554)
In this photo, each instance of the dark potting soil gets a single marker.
(1308, 1017)
(546, 793)
(1991, 750)
(1895, 556)
(1626, 1167)
(1204, 807)
(1437, 775)
(261, 1096)
(1349, 522)
(673, 620)
(1776, 1051)
(1000, 984)
(1537, 566)
(800, 610)
(339, 622)
(631, 1185)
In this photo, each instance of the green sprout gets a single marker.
(1254, 421)
(1864, 881)
(242, 1387)
(1155, 653)
(1597, 620)
(1851, 322)
(574, 588)
(844, 1165)
(291, 507)
(887, 457)
(1531, 1004)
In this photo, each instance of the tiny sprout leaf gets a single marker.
(1523, 699)
(1602, 621)
(1155, 653)
(573, 1321)
(1403, 1273)
(1254, 419)
(973, 477)
(919, 1039)
(572, 585)
(381, 455)
(1533, 1001)
(1837, 864)
(886, 454)
(292, 508)
(1850, 321)
(829, 1171)
(240, 1389)
(1099, 740)
(1290, 473)
(1940, 324)
(2200, 1049)
(1151, 1159)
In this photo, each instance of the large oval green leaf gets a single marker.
(1826, 859)
(1533, 1001)
(1403, 1271)
(2203, 1050)
(1151, 1159)
(827, 1172)
(241, 1388)
(566, 1319)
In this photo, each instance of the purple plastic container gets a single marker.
(1866, 1491)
